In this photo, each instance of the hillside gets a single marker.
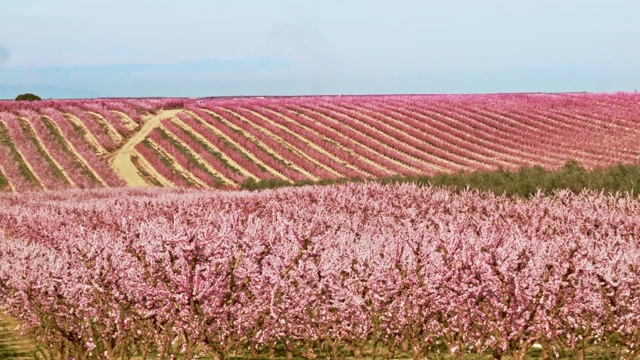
(220, 143)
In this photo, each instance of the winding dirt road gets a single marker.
(121, 162)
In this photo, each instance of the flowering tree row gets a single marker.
(185, 156)
(338, 144)
(358, 142)
(307, 157)
(326, 272)
(34, 152)
(205, 151)
(99, 131)
(230, 151)
(410, 141)
(258, 151)
(547, 141)
(74, 137)
(458, 143)
(323, 137)
(280, 157)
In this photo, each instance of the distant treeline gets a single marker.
(524, 182)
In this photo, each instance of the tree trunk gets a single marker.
(545, 350)
(334, 350)
(405, 345)
(357, 351)
(391, 350)
(497, 354)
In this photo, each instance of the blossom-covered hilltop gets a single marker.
(222, 143)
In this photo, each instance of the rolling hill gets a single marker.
(220, 143)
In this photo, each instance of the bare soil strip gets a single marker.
(12, 344)
(258, 142)
(175, 165)
(520, 124)
(79, 157)
(111, 130)
(149, 169)
(505, 159)
(121, 162)
(452, 164)
(129, 123)
(488, 160)
(88, 136)
(333, 142)
(39, 181)
(294, 148)
(176, 121)
(202, 162)
(390, 138)
(357, 143)
(9, 184)
(238, 146)
(319, 148)
(66, 176)
(514, 160)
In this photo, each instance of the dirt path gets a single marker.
(120, 160)
(332, 142)
(176, 166)
(88, 136)
(111, 130)
(261, 143)
(292, 147)
(251, 156)
(77, 155)
(12, 344)
(201, 161)
(176, 121)
(43, 146)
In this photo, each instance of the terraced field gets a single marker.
(220, 143)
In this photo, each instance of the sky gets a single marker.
(196, 48)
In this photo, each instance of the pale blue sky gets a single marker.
(86, 48)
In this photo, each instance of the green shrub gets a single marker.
(524, 182)
(28, 97)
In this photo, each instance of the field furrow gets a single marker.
(299, 145)
(176, 165)
(425, 149)
(458, 133)
(148, 174)
(383, 153)
(5, 184)
(23, 139)
(196, 155)
(222, 159)
(66, 141)
(20, 173)
(312, 139)
(338, 142)
(285, 151)
(88, 136)
(399, 150)
(184, 156)
(56, 168)
(459, 144)
(235, 141)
